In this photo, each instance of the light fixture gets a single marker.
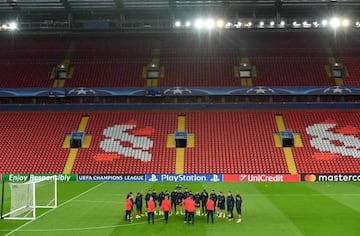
(13, 25)
(238, 24)
(272, 23)
(346, 22)
(177, 23)
(261, 24)
(199, 24)
(228, 25)
(335, 22)
(249, 24)
(306, 24)
(324, 23)
(187, 23)
(220, 23)
(210, 23)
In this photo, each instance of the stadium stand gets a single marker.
(187, 60)
(29, 62)
(31, 141)
(110, 63)
(225, 141)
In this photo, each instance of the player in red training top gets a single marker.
(128, 207)
(166, 207)
(190, 209)
(151, 210)
(210, 207)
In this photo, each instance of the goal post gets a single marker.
(20, 200)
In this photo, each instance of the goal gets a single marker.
(22, 199)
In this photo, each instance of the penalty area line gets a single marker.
(51, 210)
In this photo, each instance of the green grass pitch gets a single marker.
(268, 209)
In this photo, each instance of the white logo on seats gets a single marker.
(323, 140)
(117, 135)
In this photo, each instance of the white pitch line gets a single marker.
(51, 210)
(87, 228)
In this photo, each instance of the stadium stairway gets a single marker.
(60, 83)
(339, 81)
(289, 157)
(155, 60)
(74, 151)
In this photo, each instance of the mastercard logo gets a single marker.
(310, 178)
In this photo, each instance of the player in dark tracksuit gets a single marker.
(221, 205)
(167, 194)
(139, 203)
(204, 198)
(147, 197)
(230, 202)
(186, 194)
(197, 199)
(155, 198)
(213, 197)
(238, 203)
(179, 200)
(161, 197)
(173, 195)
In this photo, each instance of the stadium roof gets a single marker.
(73, 6)
(168, 10)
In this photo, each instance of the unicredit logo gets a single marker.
(261, 178)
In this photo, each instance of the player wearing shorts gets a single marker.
(139, 203)
(221, 205)
(238, 203)
(230, 202)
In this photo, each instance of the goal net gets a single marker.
(27, 197)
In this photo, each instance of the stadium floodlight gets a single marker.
(187, 23)
(210, 23)
(261, 24)
(296, 24)
(238, 24)
(4, 27)
(345, 22)
(177, 24)
(282, 23)
(272, 23)
(228, 25)
(249, 24)
(13, 25)
(335, 22)
(306, 24)
(220, 23)
(324, 23)
(199, 23)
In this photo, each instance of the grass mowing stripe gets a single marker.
(47, 212)
(314, 215)
(344, 193)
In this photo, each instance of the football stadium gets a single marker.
(174, 117)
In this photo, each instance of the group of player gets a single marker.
(184, 203)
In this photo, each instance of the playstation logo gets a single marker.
(215, 178)
(153, 178)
